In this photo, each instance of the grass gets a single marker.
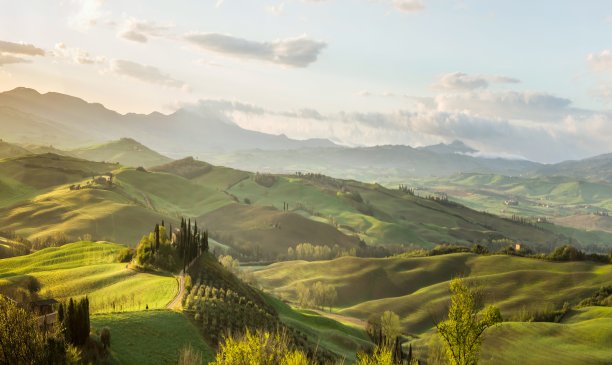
(87, 268)
(334, 336)
(150, 337)
(368, 286)
(125, 151)
(584, 342)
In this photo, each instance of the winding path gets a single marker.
(181, 280)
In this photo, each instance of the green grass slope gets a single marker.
(417, 288)
(339, 338)
(125, 151)
(537, 196)
(580, 343)
(105, 214)
(9, 150)
(87, 268)
(150, 337)
(385, 216)
(270, 231)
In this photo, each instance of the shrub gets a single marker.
(480, 249)
(125, 255)
(190, 356)
(262, 348)
(105, 337)
(566, 253)
(381, 356)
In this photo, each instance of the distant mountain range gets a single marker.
(29, 118)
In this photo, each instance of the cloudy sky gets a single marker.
(528, 79)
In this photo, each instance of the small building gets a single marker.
(517, 247)
(511, 202)
(43, 306)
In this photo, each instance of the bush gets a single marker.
(259, 347)
(105, 337)
(445, 249)
(190, 356)
(381, 356)
(566, 253)
(125, 255)
(480, 250)
(603, 297)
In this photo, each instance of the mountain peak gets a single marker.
(455, 146)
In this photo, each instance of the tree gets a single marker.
(390, 326)
(105, 337)
(462, 332)
(20, 340)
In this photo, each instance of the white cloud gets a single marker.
(601, 62)
(145, 73)
(141, 30)
(295, 52)
(21, 49)
(90, 13)
(507, 104)
(458, 81)
(76, 55)
(6, 59)
(276, 9)
(408, 6)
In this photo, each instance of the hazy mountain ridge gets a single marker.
(181, 133)
(68, 122)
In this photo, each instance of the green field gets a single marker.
(125, 151)
(553, 196)
(150, 337)
(366, 286)
(344, 340)
(580, 343)
(87, 268)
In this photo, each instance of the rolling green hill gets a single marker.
(8, 150)
(125, 151)
(367, 286)
(242, 210)
(88, 268)
(142, 337)
(546, 196)
(581, 342)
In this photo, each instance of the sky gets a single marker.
(520, 79)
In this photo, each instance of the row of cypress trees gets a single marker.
(74, 317)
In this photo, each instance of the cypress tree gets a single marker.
(157, 237)
(60, 313)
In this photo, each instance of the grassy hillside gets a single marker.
(541, 196)
(8, 150)
(589, 222)
(102, 213)
(367, 286)
(125, 151)
(384, 216)
(151, 337)
(39, 172)
(587, 341)
(205, 174)
(339, 338)
(268, 232)
(87, 268)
